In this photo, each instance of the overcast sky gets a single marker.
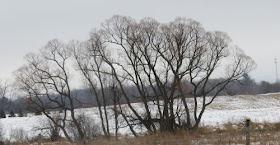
(27, 25)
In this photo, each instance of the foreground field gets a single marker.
(263, 110)
(231, 134)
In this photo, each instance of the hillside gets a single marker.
(259, 108)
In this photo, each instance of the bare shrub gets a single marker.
(1, 134)
(54, 131)
(51, 130)
(18, 135)
(88, 126)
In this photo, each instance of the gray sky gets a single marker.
(27, 25)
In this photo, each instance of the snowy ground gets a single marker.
(235, 109)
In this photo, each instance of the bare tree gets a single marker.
(45, 79)
(3, 89)
(158, 58)
(4, 93)
(91, 65)
(115, 97)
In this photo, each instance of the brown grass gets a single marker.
(229, 133)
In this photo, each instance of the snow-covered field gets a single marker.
(258, 108)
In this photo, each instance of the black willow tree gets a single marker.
(169, 66)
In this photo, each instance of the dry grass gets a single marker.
(229, 133)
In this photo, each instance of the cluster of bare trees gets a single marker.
(3, 92)
(156, 59)
(248, 86)
(46, 76)
(3, 95)
(4, 101)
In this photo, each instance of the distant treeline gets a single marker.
(246, 86)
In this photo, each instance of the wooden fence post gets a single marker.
(156, 142)
(248, 130)
(39, 139)
(85, 140)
